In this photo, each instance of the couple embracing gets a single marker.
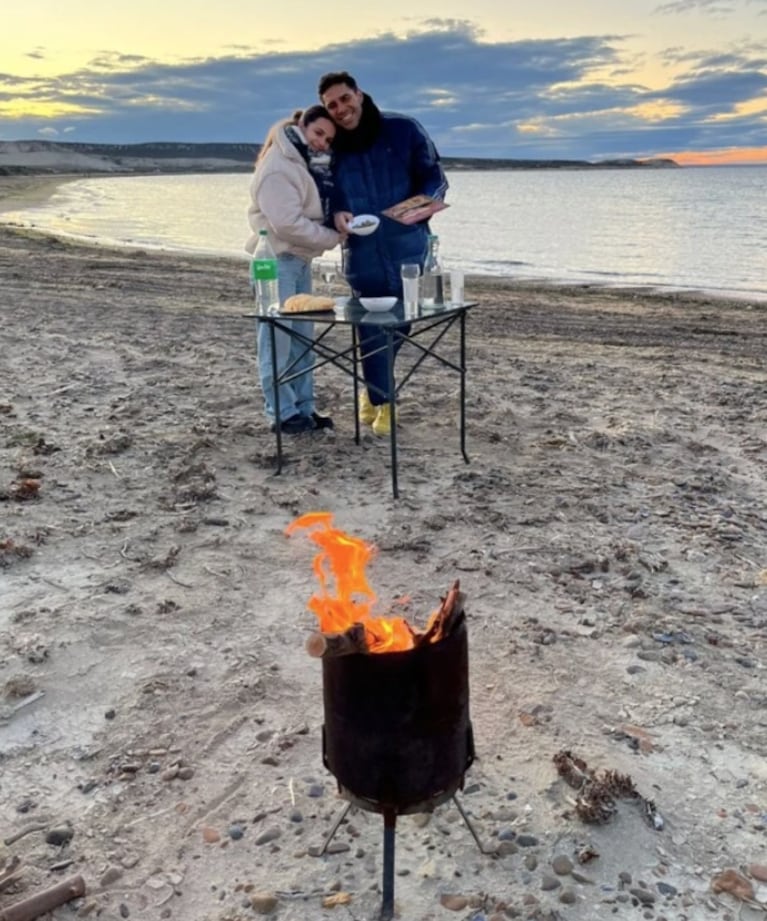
(313, 174)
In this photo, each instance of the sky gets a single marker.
(543, 79)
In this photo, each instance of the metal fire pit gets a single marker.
(397, 734)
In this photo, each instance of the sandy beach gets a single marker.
(161, 719)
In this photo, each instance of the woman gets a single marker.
(289, 199)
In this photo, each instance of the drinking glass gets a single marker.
(456, 287)
(411, 279)
(328, 272)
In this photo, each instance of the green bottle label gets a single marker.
(263, 269)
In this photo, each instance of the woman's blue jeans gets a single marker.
(294, 276)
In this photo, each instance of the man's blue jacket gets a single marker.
(387, 158)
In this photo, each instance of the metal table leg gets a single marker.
(277, 425)
(463, 386)
(392, 411)
(355, 382)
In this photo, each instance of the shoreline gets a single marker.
(479, 284)
(20, 191)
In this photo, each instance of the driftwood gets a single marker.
(45, 901)
(320, 645)
(18, 835)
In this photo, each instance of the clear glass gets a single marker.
(328, 273)
(411, 283)
(456, 287)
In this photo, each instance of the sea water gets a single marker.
(669, 229)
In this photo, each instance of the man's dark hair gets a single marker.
(328, 80)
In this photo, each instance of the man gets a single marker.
(380, 159)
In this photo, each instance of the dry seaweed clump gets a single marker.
(599, 790)
(22, 489)
(11, 552)
(19, 686)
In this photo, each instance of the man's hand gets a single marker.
(341, 219)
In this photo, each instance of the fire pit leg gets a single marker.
(387, 905)
(483, 849)
(336, 825)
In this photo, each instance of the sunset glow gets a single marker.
(741, 156)
(43, 109)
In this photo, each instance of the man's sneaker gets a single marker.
(322, 422)
(367, 412)
(295, 425)
(382, 421)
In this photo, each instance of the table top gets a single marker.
(349, 311)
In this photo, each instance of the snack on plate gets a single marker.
(307, 303)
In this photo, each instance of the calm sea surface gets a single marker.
(671, 229)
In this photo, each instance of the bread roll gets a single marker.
(307, 303)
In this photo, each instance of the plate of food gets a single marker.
(364, 224)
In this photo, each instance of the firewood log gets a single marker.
(45, 901)
(445, 618)
(337, 644)
(453, 609)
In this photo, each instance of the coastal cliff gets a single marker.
(35, 157)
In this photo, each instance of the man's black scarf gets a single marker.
(365, 134)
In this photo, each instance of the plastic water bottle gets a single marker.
(263, 275)
(432, 283)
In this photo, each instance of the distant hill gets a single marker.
(622, 163)
(20, 157)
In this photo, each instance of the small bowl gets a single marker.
(364, 224)
(378, 304)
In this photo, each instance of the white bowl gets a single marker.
(364, 224)
(378, 304)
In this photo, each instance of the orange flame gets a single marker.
(342, 559)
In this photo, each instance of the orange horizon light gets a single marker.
(739, 156)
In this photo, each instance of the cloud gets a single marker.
(710, 7)
(547, 98)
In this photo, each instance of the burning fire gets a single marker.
(342, 560)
